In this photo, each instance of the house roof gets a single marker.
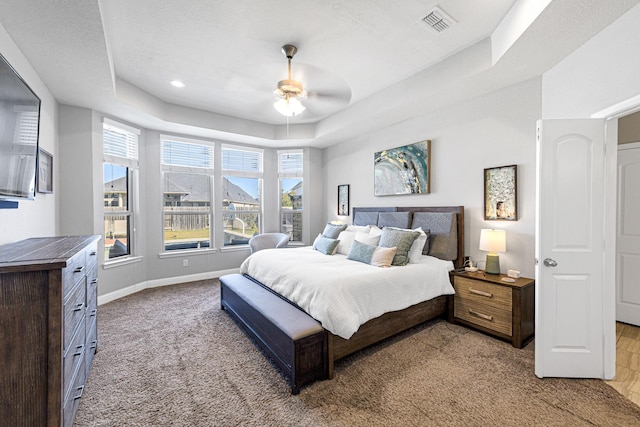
(192, 188)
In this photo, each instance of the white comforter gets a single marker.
(343, 294)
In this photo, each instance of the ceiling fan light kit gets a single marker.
(289, 91)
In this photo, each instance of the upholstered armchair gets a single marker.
(268, 241)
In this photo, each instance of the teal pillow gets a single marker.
(332, 231)
(325, 245)
(401, 239)
(361, 252)
(373, 255)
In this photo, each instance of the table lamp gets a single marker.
(493, 241)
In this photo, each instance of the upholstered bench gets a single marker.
(292, 339)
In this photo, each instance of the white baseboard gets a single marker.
(121, 293)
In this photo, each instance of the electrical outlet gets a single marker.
(185, 263)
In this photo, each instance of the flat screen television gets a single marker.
(19, 129)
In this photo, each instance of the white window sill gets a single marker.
(187, 252)
(235, 248)
(121, 261)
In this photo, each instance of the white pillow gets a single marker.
(415, 253)
(359, 228)
(368, 238)
(375, 231)
(346, 238)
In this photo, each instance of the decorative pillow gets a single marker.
(333, 230)
(368, 238)
(375, 231)
(401, 239)
(417, 248)
(374, 255)
(359, 228)
(325, 245)
(346, 239)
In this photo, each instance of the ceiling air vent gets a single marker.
(438, 20)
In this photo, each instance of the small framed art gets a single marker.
(500, 193)
(343, 200)
(45, 172)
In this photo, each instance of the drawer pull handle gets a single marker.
(480, 315)
(93, 253)
(78, 396)
(94, 281)
(93, 312)
(79, 350)
(78, 306)
(481, 293)
(94, 344)
(79, 269)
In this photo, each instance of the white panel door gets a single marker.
(570, 249)
(628, 235)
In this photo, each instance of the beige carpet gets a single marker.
(170, 357)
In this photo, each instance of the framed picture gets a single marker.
(45, 172)
(343, 200)
(403, 170)
(500, 198)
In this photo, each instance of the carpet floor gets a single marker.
(170, 357)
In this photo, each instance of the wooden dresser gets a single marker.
(503, 309)
(48, 332)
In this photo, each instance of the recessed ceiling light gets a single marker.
(177, 83)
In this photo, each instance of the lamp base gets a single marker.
(493, 264)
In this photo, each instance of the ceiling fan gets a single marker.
(290, 92)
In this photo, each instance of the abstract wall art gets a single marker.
(500, 186)
(403, 170)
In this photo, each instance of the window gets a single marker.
(120, 148)
(241, 194)
(290, 177)
(187, 183)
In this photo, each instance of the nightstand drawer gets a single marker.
(482, 292)
(485, 315)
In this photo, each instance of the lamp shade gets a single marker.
(289, 106)
(493, 240)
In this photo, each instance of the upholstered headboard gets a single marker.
(445, 225)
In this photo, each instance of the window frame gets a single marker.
(130, 161)
(238, 173)
(194, 170)
(291, 175)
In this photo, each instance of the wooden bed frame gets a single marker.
(391, 323)
(394, 322)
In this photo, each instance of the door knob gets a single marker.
(550, 262)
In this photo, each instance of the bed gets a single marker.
(446, 235)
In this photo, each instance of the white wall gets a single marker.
(497, 129)
(601, 73)
(38, 217)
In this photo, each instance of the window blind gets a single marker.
(241, 160)
(119, 142)
(179, 153)
(290, 164)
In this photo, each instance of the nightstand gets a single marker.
(503, 309)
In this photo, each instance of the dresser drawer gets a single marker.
(74, 271)
(92, 345)
(485, 293)
(91, 256)
(74, 310)
(73, 357)
(485, 315)
(72, 399)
